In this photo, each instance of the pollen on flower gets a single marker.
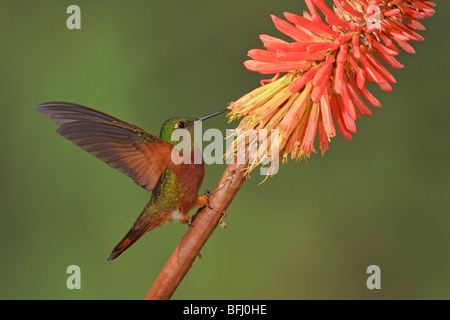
(321, 74)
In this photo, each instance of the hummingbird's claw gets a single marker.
(208, 194)
(203, 201)
(191, 219)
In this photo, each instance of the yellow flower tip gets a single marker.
(233, 115)
(284, 158)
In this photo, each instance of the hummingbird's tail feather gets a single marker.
(144, 223)
(131, 237)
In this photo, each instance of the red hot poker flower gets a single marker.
(326, 68)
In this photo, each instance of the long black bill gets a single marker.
(211, 115)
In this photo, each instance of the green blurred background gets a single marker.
(310, 232)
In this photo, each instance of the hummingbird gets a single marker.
(144, 157)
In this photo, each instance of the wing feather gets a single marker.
(118, 143)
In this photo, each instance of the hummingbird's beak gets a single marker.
(211, 115)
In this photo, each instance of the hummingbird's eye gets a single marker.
(181, 125)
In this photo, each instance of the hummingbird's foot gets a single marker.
(208, 194)
(203, 201)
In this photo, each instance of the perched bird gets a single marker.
(143, 157)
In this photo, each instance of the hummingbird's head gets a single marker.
(177, 123)
(182, 123)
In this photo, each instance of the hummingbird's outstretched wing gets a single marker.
(123, 146)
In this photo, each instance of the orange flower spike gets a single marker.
(379, 67)
(307, 145)
(339, 75)
(382, 82)
(339, 78)
(344, 5)
(394, 33)
(360, 73)
(381, 48)
(271, 106)
(411, 34)
(301, 81)
(326, 68)
(356, 98)
(295, 113)
(390, 60)
(321, 78)
(348, 107)
(339, 117)
(355, 47)
(324, 140)
(314, 14)
(349, 122)
(416, 25)
(423, 9)
(331, 17)
(276, 67)
(405, 46)
(319, 28)
(272, 43)
(291, 31)
(370, 97)
(392, 12)
(327, 118)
